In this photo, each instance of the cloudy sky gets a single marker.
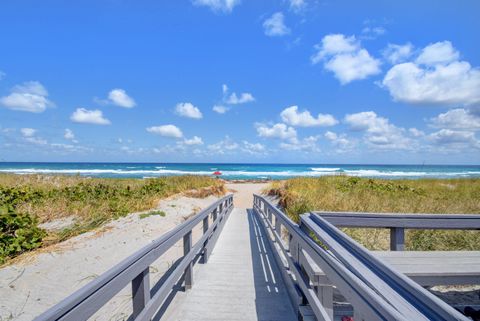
(291, 81)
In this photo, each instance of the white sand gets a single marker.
(38, 281)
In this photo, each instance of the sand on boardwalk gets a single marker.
(244, 193)
(39, 280)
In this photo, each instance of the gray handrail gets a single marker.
(410, 221)
(397, 223)
(376, 291)
(135, 269)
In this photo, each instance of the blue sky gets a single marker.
(240, 81)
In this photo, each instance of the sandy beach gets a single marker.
(38, 280)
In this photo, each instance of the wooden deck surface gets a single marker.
(240, 282)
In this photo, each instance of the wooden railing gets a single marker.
(375, 290)
(135, 270)
(398, 223)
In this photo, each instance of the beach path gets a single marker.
(243, 193)
(241, 280)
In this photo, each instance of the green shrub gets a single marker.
(18, 232)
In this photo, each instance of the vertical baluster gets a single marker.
(397, 239)
(205, 250)
(278, 226)
(140, 291)
(187, 246)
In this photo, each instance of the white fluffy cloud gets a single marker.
(438, 53)
(188, 110)
(219, 6)
(195, 140)
(297, 5)
(293, 117)
(226, 145)
(220, 109)
(397, 53)
(379, 132)
(436, 78)
(120, 98)
(233, 99)
(82, 115)
(28, 132)
(281, 131)
(345, 57)
(275, 25)
(338, 140)
(253, 148)
(31, 97)
(308, 144)
(29, 135)
(416, 132)
(455, 139)
(458, 118)
(69, 135)
(372, 32)
(171, 131)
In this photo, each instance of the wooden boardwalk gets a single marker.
(267, 267)
(241, 280)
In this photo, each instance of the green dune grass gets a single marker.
(343, 193)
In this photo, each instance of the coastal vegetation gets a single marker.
(27, 201)
(343, 193)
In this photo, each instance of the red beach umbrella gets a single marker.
(217, 173)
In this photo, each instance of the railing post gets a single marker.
(187, 246)
(325, 295)
(278, 226)
(269, 211)
(397, 239)
(214, 214)
(140, 291)
(205, 250)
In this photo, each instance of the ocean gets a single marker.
(242, 171)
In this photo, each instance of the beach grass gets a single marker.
(29, 200)
(343, 193)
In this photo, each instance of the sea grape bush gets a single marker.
(18, 232)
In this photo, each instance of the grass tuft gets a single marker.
(152, 213)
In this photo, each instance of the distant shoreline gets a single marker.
(241, 172)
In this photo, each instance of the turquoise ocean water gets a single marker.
(243, 171)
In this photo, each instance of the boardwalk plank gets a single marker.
(240, 282)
